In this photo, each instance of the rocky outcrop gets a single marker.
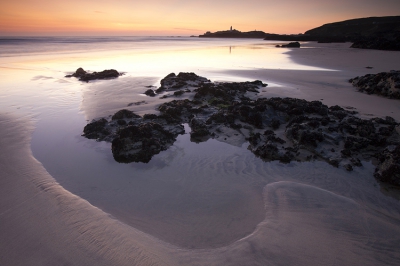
(368, 33)
(389, 42)
(290, 45)
(386, 84)
(150, 93)
(134, 138)
(96, 129)
(381, 33)
(283, 129)
(82, 75)
(140, 141)
(304, 38)
(180, 82)
(388, 170)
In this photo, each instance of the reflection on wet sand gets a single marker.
(194, 204)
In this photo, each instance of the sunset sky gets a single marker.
(179, 17)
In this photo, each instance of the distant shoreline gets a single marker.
(380, 33)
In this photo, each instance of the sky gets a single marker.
(179, 17)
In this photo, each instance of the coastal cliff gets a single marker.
(382, 33)
(356, 28)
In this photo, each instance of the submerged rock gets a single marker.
(85, 76)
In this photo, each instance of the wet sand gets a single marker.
(318, 216)
(43, 224)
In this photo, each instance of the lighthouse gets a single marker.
(231, 28)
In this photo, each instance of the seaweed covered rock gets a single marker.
(181, 81)
(199, 131)
(86, 76)
(96, 129)
(283, 129)
(386, 84)
(388, 170)
(123, 114)
(133, 138)
(139, 143)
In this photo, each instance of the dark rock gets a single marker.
(348, 167)
(79, 73)
(121, 122)
(290, 45)
(259, 83)
(346, 153)
(386, 84)
(174, 82)
(378, 42)
(150, 117)
(96, 129)
(85, 76)
(179, 93)
(310, 130)
(139, 143)
(356, 162)
(334, 162)
(150, 93)
(160, 89)
(388, 170)
(199, 131)
(123, 114)
(275, 123)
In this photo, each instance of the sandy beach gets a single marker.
(254, 213)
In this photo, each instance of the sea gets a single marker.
(211, 196)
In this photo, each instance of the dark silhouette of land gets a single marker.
(355, 28)
(370, 33)
(234, 34)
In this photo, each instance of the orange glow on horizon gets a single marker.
(177, 17)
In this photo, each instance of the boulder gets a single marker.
(290, 45)
(85, 76)
(150, 93)
(124, 114)
(96, 129)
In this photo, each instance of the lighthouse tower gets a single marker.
(231, 28)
